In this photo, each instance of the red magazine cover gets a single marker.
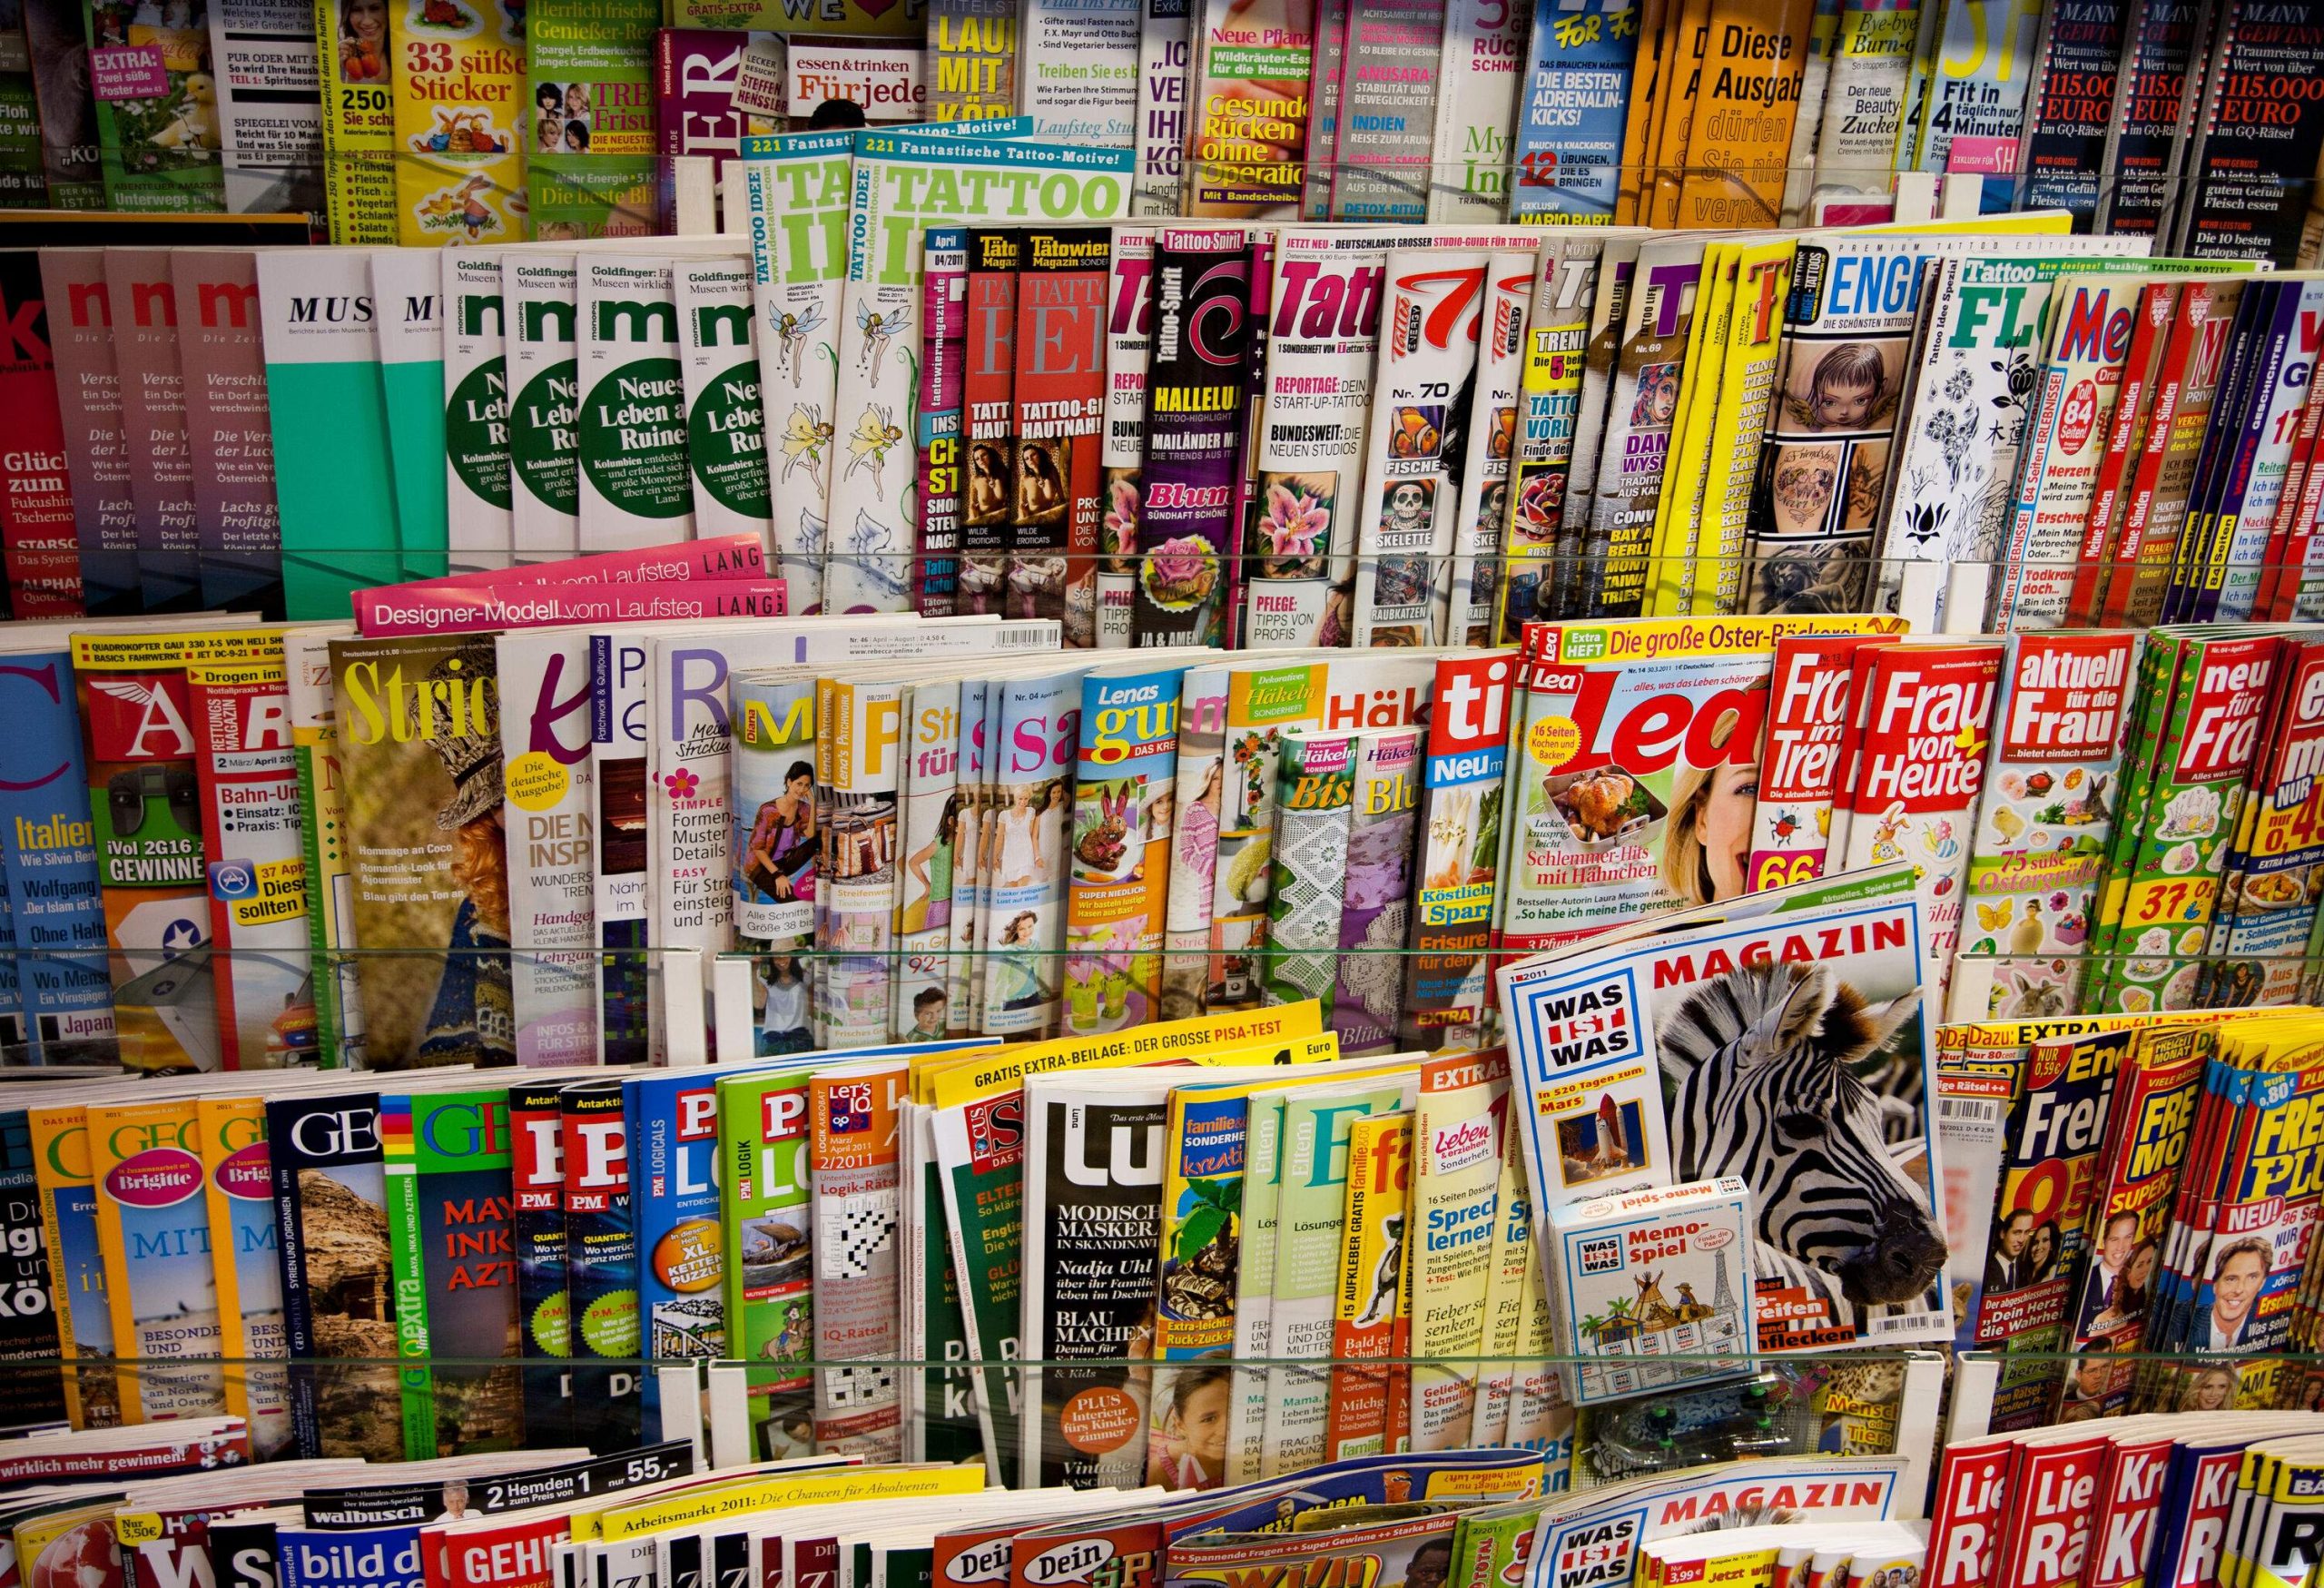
(987, 387)
(38, 553)
(2046, 1526)
(2129, 1495)
(1063, 282)
(1965, 1522)
(1809, 712)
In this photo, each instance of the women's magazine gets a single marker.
(776, 846)
(963, 973)
(1457, 862)
(943, 353)
(858, 767)
(1027, 845)
(1124, 790)
(1322, 346)
(547, 775)
(1641, 748)
(618, 886)
(1372, 1311)
(1811, 702)
(1864, 109)
(1408, 505)
(1367, 1004)
(1249, 105)
(929, 830)
(1974, 113)
(1826, 974)
(1487, 444)
(1310, 865)
(1199, 803)
(1246, 1413)
(1457, 1152)
(2261, 929)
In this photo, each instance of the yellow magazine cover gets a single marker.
(1371, 1316)
(68, 1546)
(1754, 331)
(1240, 1037)
(1675, 113)
(358, 121)
(238, 1203)
(77, 1266)
(154, 1228)
(1504, 1313)
(1460, 1144)
(1741, 146)
(1679, 513)
(1655, 20)
(719, 1501)
(459, 83)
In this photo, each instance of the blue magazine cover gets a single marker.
(1572, 110)
(48, 850)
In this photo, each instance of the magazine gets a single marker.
(549, 788)
(479, 525)
(944, 352)
(1408, 508)
(1129, 331)
(97, 452)
(1649, 374)
(1162, 49)
(987, 393)
(927, 866)
(858, 754)
(1063, 284)
(153, 416)
(1028, 843)
(1480, 73)
(1810, 704)
(1974, 113)
(1457, 863)
(904, 181)
(1717, 984)
(1366, 1002)
(1864, 108)
(160, 1308)
(538, 296)
(2264, 920)
(1571, 114)
(856, 1185)
(1243, 162)
(1125, 795)
(1385, 130)
(2146, 132)
(1310, 863)
(1522, 525)
(2068, 107)
(631, 429)
(718, 366)
(1459, 1150)
(1372, 1311)
(1609, 1258)
(322, 804)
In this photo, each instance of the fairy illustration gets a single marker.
(790, 332)
(804, 437)
(879, 331)
(874, 436)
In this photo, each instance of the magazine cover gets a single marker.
(536, 1232)
(1811, 702)
(1612, 825)
(32, 1336)
(1481, 73)
(1409, 506)
(2068, 108)
(2146, 131)
(247, 779)
(776, 844)
(762, 1139)
(1566, 512)
(854, 1181)
(859, 758)
(1366, 1002)
(1616, 565)
(323, 807)
(1457, 863)
(479, 525)
(631, 429)
(1739, 140)
(2237, 202)
(600, 1265)
(1310, 1215)
(1163, 46)
(537, 295)
(1385, 132)
(1196, 390)
(1310, 863)
(408, 330)
(1027, 842)
(76, 1279)
(1974, 113)
(1327, 72)
(338, 1271)
(420, 742)
(1124, 791)
(903, 183)
(1371, 1312)
(2153, 324)
(1321, 349)
(1458, 1150)
(224, 370)
(1610, 1259)
(1864, 108)
(1483, 454)
(446, 1156)
(1246, 1412)
(1063, 284)
(1129, 331)
(987, 394)
(617, 878)
(1822, 978)
(152, 415)
(547, 787)
(798, 189)
(1248, 161)
(145, 1167)
(2266, 911)
(2045, 823)
(1093, 1186)
(1521, 526)
(463, 73)
(928, 869)
(718, 364)
(944, 352)
(1571, 110)
(88, 391)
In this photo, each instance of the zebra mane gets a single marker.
(1824, 1013)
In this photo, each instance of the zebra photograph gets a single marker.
(1790, 1078)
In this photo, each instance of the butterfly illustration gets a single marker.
(875, 433)
(804, 437)
(879, 331)
(791, 332)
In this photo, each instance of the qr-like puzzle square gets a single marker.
(852, 1231)
(844, 1388)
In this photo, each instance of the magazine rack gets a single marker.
(627, 1007)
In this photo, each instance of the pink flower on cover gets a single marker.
(1121, 516)
(1294, 521)
(681, 784)
(1180, 561)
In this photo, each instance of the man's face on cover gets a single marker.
(2017, 1233)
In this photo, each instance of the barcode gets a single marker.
(1032, 637)
(1970, 1111)
(1889, 1320)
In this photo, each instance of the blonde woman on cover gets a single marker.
(1706, 845)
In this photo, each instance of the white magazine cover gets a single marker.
(1487, 445)
(1027, 842)
(1129, 331)
(537, 291)
(798, 190)
(1476, 108)
(1789, 1038)
(631, 433)
(1164, 31)
(546, 770)
(1409, 499)
(1079, 71)
(1323, 343)
(725, 410)
(481, 521)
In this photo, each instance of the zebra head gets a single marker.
(1759, 1064)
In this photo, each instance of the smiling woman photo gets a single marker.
(1706, 848)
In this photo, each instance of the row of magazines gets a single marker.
(439, 835)
(924, 391)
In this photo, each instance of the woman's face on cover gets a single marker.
(1723, 827)
(799, 787)
(1202, 1426)
(368, 19)
(2143, 1267)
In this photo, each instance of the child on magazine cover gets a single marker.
(1192, 1454)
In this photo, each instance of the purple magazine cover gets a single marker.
(224, 369)
(944, 329)
(152, 415)
(1196, 393)
(88, 392)
(695, 73)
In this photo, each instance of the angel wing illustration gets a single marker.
(791, 333)
(874, 435)
(804, 437)
(127, 689)
(879, 331)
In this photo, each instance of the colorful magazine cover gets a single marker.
(145, 1168)
(1125, 794)
(1827, 976)
(944, 352)
(1484, 452)
(1129, 333)
(1811, 702)
(1371, 1315)
(548, 786)
(1375, 915)
(1552, 444)
(855, 1186)
(1247, 86)
(989, 416)
(1571, 110)
(1063, 287)
(1458, 1151)
(1457, 863)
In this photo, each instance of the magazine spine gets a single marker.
(1059, 396)
(944, 324)
(1479, 74)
